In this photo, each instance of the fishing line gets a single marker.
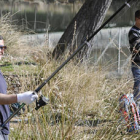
(116, 20)
(121, 14)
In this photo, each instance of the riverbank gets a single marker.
(109, 47)
(101, 40)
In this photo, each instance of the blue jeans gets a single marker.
(136, 75)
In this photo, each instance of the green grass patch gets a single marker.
(19, 69)
(8, 68)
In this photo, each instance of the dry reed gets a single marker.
(83, 101)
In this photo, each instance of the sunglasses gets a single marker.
(3, 47)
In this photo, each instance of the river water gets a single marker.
(53, 17)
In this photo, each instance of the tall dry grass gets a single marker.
(83, 101)
(77, 97)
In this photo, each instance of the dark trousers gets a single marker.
(136, 75)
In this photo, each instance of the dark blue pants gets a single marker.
(136, 75)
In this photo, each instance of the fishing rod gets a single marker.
(43, 100)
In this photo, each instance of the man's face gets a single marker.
(1, 48)
(138, 20)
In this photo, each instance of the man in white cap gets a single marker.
(27, 98)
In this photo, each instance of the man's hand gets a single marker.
(26, 97)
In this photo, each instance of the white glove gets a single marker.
(26, 97)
